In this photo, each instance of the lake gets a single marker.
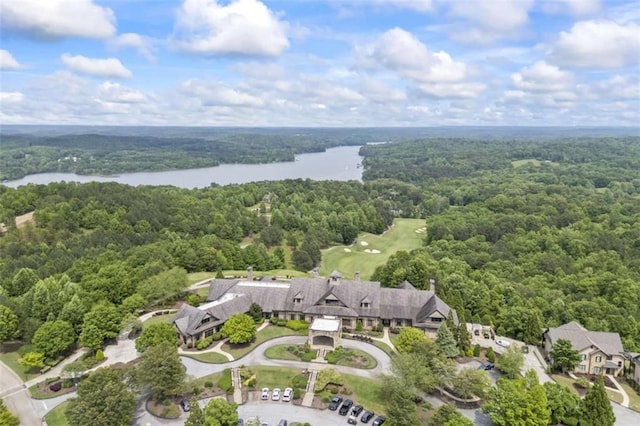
(341, 163)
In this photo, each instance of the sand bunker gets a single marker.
(420, 230)
(348, 250)
(374, 251)
(364, 243)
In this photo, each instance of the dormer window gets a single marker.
(297, 300)
(331, 300)
(205, 320)
(365, 305)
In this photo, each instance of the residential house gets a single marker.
(601, 352)
(310, 298)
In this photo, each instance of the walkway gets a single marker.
(309, 393)
(385, 339)
(236, 381)
(625, 397)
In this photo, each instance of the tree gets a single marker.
(518, 402)
(447, 415)
(155, 334)
(511, 362)
(9, 328)
(32, 360)
(255, 311)
(161, 371)
(563, 404)
(219, 412)
(533, 328)
(196, 415)
(106, 318)
(491, 355)
(54, 338)
(595, 407)
(463, 338)
(446, 342)
(471, 382)
(6, 417)
(163, 285)
(22, 282)
(103, 400)
(91, 337)
(408, 338)
(239, 328)
(563, 356)
(400, 407)
(133, 303)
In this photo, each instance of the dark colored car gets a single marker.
(357, 410)
(378, 421)
(486, 366)
(346, 406)
(335, 403)
(368, 415)
(240, 422)
(186, 405)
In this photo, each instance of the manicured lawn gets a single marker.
(214, 378)
(351, 358)
(56, 416)
(614, 396)
(271, 332)
(12, 361)
(565, 381)
(349, 259)
(210, 357)
(282, 352)
(384, 347)
(367, 392)
(274, 377)
(158, 318)
(196, 277)
(634, 398)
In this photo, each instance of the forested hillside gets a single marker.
(526, 234)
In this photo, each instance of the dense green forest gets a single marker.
(516, 243)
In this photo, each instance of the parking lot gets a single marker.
(273, 411)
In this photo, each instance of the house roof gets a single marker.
(188, 319)
(581, 338)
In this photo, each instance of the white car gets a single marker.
(265, 393)
(503, 343)
(275, 395)
(287, 395)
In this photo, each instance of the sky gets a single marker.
(320, 63)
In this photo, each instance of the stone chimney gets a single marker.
(356, 276)
(250, 273)
(432, 285)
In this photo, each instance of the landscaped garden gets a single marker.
(350, 358)
(291, 352)
(268, 333)
(366, 392)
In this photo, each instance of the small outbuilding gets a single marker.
(325, 332)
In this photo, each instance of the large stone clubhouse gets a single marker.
(313, 298)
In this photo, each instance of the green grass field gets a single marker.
(371, 250)
(158, 318)
(367, 392)
(271, 332)
(56, 416)
(634, 398)
(210, 357)
(274, 377)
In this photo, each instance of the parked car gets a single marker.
(346, 406)
(282, 422)
(357, 410)
(287, 395)
(335, 403)
(240, 422)
(352, 420)
(378, 421)
(265, 393)
(186, 405)
(368, 415)
(503, 343)
(486, 366)
(275, 395)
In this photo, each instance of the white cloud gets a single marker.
(110, 67)
(51, 19)
(615, 87)
(10, 97)
(7, 61)
(598, 44)
(215, 93)
(115, 93)
(487, 21)
(542, 77)
(379, 91)
(417, 5)
(574, 7)
(242, 27)
(142, 44)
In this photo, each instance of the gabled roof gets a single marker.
(581, 338)
(188, 319)
(406, 285)
(335, 274)
(219, 286)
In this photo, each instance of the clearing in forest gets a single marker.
(371, 250)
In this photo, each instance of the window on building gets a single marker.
(437, 319)
(596, 370)
(598, 358)
(297, 300)
(209, 332)
(364, 305)
(399, 323)
(205, 320)
(346, 322)
(582, 367)
(609, 358)
(331, 301)
(583, 357)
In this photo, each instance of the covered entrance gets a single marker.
(324, 333)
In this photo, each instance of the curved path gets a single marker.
(199, 369)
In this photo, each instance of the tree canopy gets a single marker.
(155, 334)
(239, 328)
(161, 371)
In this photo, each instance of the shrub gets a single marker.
(204, 343)
(251, 383)
(297, 325)
(216, 336)
(297, 393)
(583, 383)
(394, 330)
(299, 381)
(196, 390)
(189, 344)
(99, 355)
(309, 356)
(326, 399)
(476, 350)
(359, 326)
(333, 390)
(491, 356)
(208, 384)
(347, 390)
(67, 383)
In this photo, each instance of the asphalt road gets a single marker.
(16, 397)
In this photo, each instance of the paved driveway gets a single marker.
(16, 397)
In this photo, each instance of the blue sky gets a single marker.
(320, 63)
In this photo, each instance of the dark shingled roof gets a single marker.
(188, 319)
(581, 338)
